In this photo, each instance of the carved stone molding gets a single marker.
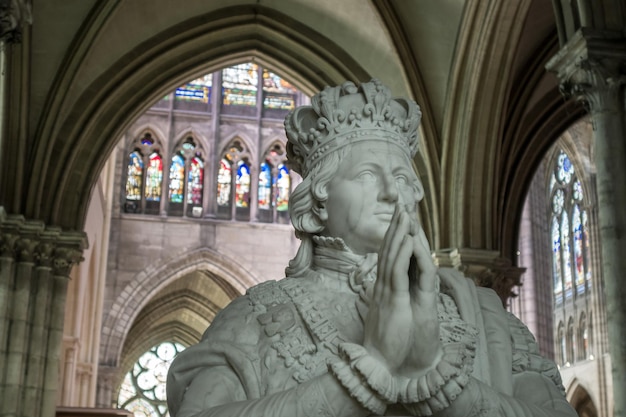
(592, 68)
(487, 268)
(13, 14)
(33, 242)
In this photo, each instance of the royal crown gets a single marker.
(342, 115)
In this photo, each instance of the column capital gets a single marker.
(485, 267)
(31, 241)
(13, 14)
(591, 67)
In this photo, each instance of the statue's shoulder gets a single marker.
(242, 313)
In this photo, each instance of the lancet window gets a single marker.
(237, 183)
(274, 186)
(186, 179)
(233, 183)
(569, 229)
(144, 176)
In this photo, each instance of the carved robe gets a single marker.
(281, 334)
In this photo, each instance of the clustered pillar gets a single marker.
(35, 262)
(592, 68)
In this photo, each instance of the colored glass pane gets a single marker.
(577, 191)
(567, 263)
(147, 140)
(278, 93)
(134, 176)
(143, 390)
(557, 201)
(242, 185)
(239, 85)
(565, 169)
(195, 180)
(556, 257)
(282, 188)
(552, 181)
(275, 84)
(265, 187)
(154, 178)
(177, 178)
(196, 90)
(279, 102)
(579, 267)
(224, 178)
(586, 245)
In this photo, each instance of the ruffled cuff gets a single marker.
(358, 387)
(373, 386)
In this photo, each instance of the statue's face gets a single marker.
(372, 179)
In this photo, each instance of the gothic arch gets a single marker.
(148, 282)
(579, 397)
(154, 130)
(248, 144)
(201, 140)
(81, 142)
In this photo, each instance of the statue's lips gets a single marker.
(384, 215)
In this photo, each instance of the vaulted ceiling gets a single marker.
(490, 109)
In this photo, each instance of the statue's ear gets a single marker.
(419, 190)
(322, 213)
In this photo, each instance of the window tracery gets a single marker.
(143, 390)
(244, 187)
(571, 267)
(144, 176)
(274, 186)
(186, 180)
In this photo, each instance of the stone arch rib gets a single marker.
(120, 317)
(59, 190)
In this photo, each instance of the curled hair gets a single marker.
(305, 205)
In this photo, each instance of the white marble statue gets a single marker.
(364, 323)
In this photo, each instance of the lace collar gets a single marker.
(335, 260)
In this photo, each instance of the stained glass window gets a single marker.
(224, 179)
(143, 390)
(134, 176)
(587, 255)
(567, 263)
(278, 93)
(154, 178)
(195, 180)
(265, 187)
(240, 84)
(196, 90)
(579, 266)
(557, 201)
(282, 188)
(556, 260)
(577, 191)
(565, 169)
(242, 185)
(177, 178)
(570, 246)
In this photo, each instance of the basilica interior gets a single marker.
(144, 182)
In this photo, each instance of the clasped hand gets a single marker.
(401, 328)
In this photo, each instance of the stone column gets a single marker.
(591, 67)
(487, 268)
(35, 262)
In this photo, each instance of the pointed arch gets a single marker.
(143, 176)
(141, 289)
(580, 398)
(85, 134)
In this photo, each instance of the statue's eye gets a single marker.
(366, 176)
(402, 179)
